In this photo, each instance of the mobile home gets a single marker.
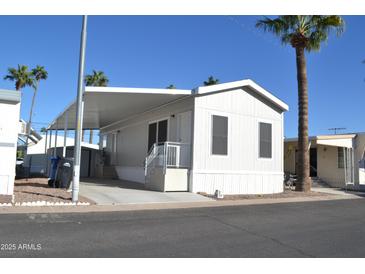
(226, 137)
(9, 127)
(338, 160)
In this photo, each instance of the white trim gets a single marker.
(137, 90)
(282, 142)
(238, 172)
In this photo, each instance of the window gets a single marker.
(219, 135)
(152, 131)
(157, 133)
(340, 157)
(265, 132)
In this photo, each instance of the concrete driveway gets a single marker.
(108, 192)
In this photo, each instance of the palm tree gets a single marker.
(211, 81)
(21, 76)
(96, 79)
(303, 33)
(171, 87)
(38, 73)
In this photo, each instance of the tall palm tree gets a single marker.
(303, 33)
(96, 79)
(211, 81)
(38, 73)
(21, 76)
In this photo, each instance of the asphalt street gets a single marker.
(308, 229)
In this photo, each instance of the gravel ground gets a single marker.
(37, 189)
(286, 194)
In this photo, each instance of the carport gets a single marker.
(105, 107)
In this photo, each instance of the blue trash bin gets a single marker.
(53, 170)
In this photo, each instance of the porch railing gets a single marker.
(168, 155)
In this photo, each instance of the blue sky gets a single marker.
(154, 51)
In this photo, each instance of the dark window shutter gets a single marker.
(265, 140)
(220, 135)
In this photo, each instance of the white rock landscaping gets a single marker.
(46, 203)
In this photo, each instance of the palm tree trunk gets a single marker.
(304, 182)
(29, 125)
(91, 136)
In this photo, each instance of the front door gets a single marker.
(157, 132)
(313, 162)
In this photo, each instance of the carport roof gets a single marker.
(104, 106)
(337, 140)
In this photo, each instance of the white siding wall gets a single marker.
(241, 171)
(132, 138)
(9, 125)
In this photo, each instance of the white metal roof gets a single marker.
(106, 105)
(337, 140)
(10, 95)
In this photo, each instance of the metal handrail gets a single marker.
(167, 154)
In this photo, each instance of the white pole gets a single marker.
(49, 146)
(79, 115)
(65, 135)
(50, 139)
(45, 151)
(45, 142)
(55, 141)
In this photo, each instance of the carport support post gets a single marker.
(45, 142)
(55, 141)
(79, 115)
(45, 149)
(65, 136)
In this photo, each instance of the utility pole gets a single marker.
(79, 115)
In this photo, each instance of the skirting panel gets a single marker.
(237, 183)
(134, 174)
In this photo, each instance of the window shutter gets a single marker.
(219, 135)
(265, 140)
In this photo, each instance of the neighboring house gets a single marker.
(226, 137)
(33, 139)
(38, 162)
(9, 117)
(334, 159)
(34, 136)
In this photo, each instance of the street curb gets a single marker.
(166, 206)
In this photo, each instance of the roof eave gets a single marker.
(240, 84)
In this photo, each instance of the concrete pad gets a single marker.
(338, 191)
(109, 192)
